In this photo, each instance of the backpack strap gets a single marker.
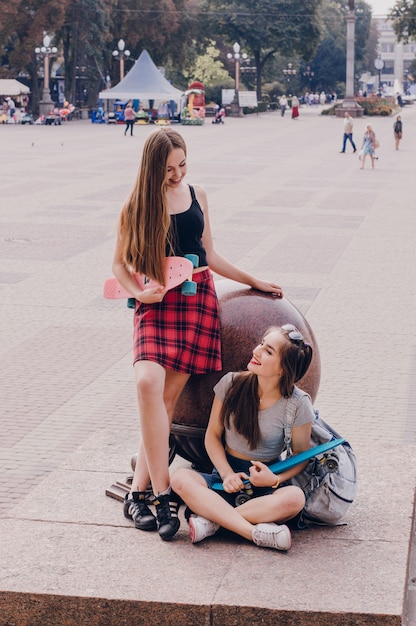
(291, 406)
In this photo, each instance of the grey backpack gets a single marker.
(329, 488)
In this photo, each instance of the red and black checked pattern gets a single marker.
(181, 333)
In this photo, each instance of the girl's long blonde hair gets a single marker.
(145, 220)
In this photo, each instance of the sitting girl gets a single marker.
(245, 434)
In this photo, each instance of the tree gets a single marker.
(207, 68)
(265, 27)
(23, 26)
(8, 14)
(87, 31)
(83, 34)
(403, 15)
(166, 30)
(329, 61)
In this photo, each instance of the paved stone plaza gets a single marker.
(285, 205)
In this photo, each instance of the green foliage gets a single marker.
(329, 61)
(265, 27)
(403, 15)
(377, 106)
(372, 107)
(207, 68)
(272, 91)
(180, 34)
(84, 36)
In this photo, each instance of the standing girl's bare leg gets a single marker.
(158, 391)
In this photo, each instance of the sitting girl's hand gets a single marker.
(234, 482)
(261, 475)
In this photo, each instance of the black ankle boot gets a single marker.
(167, 507)
(135, 508)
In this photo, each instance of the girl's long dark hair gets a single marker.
(242, 397)
(242, 401)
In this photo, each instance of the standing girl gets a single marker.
(245, 434)
(174, 335)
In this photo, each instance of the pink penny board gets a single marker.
(178, 270)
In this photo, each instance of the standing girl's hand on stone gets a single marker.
(268, 287)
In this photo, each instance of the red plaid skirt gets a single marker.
(181, 333)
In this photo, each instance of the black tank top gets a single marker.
(186, 231)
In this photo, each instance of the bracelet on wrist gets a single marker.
(277, 483)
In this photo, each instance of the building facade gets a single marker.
(396, 56)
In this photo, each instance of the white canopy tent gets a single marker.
(12, 87)
(143, 82)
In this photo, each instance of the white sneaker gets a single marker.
(200, 528)
(272, 536)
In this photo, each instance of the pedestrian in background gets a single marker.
(398, 131)
(369, 146)
(295, 108)
(283, 105)
(11, 107)
(348, 126)
(129, 118)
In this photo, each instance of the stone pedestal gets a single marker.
(350, 106)
(46, 105)
(245, 315)
(236, 110)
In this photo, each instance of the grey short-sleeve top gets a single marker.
(271, 422)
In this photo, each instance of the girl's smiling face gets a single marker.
(266, 356)
(175, 168)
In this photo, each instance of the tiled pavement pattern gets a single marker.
(284, 204)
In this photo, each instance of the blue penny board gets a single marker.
(296, 459)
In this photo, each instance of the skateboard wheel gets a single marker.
(131, 303)
(241, 498)
(188, 288)
(331, 463)
(194, 258)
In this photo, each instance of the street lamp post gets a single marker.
(236, 110)
(379, 64)
(309, 74)
(121, 53)
(405, 82)
(46, 51)
(289, 72)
